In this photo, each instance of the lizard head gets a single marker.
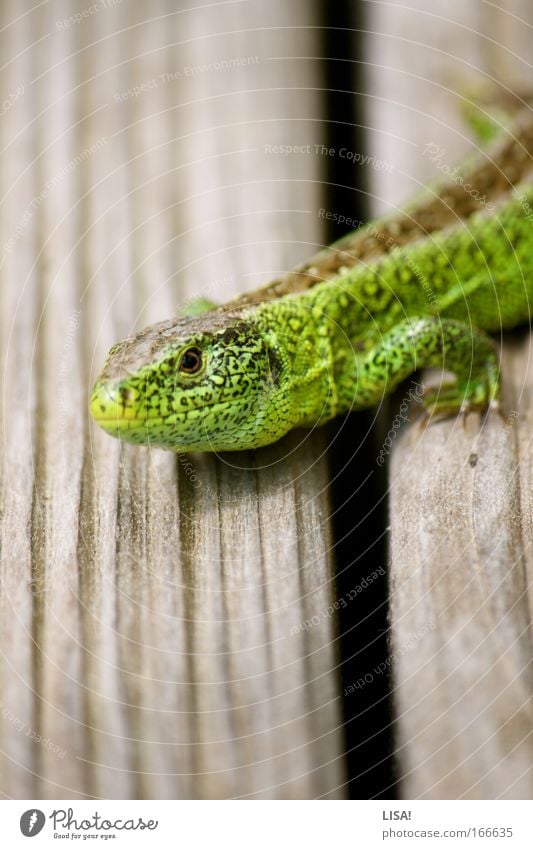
(207, 383)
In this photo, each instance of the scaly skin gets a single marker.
(413, 290)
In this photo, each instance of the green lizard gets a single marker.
(415, 289)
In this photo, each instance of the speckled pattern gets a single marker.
(269, 365)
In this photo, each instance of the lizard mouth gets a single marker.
(187, 431)
(111, 411)
(192, 428)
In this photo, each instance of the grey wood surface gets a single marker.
(460, 496)
(150, 639)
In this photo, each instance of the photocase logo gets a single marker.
(32, 822)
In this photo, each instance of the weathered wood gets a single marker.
(460, 502)
(151, 606)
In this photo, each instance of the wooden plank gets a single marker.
(151, 606)
(459, 496)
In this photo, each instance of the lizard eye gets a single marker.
(191, 361)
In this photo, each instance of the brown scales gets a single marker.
(146, 346)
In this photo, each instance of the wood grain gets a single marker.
(151, 606)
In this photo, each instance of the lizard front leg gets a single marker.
(430, 342)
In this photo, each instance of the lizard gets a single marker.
(421, 287)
